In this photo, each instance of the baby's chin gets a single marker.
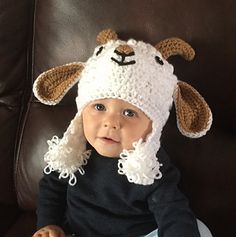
(110, 151)
(108, 154)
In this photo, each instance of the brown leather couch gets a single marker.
(38, 35)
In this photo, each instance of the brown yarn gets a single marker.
(124, 48)
(192, 111)
(104, 36)
(175, 46)
(55, 82)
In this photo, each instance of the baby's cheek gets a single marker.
(147, 130)
(128, 144)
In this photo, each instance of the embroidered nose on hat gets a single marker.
(122, 54)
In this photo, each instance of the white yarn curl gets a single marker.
(68, 155)
(140, 166)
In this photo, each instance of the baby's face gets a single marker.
(111, 125)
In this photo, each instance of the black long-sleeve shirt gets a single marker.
(104, 203)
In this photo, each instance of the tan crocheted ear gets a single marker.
(194, 117)
(175, 46)
(51, 86)
(104, 36)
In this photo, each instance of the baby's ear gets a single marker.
(51, 86)
(194, 117)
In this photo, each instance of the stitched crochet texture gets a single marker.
(145, 84)
(135, 72)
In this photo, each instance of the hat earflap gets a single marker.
(51, 86)
(194, 117)
(68, 154)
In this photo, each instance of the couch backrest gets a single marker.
(65, 31)
(15, 25)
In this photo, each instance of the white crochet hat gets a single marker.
(135, 72)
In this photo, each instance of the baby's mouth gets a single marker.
(110, 140)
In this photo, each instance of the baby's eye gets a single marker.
(99, 107)
(129, 113)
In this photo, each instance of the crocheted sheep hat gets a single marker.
(137, 73)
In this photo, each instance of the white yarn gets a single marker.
(140, 168)
(67, 155)
(145, 84)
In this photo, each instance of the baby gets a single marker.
(108, 175)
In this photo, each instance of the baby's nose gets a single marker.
(112, 123)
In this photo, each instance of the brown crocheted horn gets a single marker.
(51, 86)
(175, 46)
(194, 117)
(104, 36)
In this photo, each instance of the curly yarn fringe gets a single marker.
(140, 166)
(66, 167)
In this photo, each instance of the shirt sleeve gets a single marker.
(169, 206)
(51, 200)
